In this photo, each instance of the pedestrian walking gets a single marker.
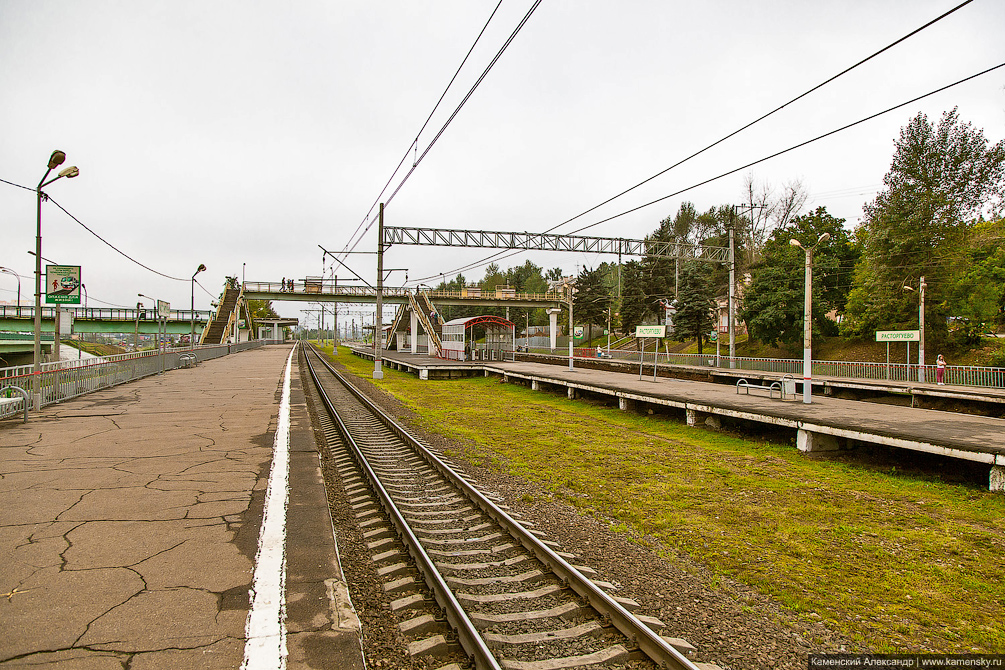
(283, 289)
(940, 370)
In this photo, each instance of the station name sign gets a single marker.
(650, 331)
(898, 335)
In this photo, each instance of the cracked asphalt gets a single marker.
(129, 521)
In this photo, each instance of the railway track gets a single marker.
(469, 579)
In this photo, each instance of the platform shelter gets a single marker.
(486, 338)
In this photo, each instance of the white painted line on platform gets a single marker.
(265, 647)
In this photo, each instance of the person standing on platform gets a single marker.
(940, 370)
(283, 289)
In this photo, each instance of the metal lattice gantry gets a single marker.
(552, 242)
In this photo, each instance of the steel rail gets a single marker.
(467, 634)
(650, 642)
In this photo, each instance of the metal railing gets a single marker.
(957, 375)
(327, 287)
(62, 380)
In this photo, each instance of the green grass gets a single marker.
(897, 562)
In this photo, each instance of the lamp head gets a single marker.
(200, 268)
(794, 242)
(823, 238)
(69, 172)
(56, 159)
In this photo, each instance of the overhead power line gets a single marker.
(113, 247)
(764, 116)
(741, 129)
(743, 167)
(84, 226)
(794, 147)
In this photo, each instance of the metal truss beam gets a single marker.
(550, 242)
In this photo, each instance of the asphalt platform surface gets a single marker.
(130, 521)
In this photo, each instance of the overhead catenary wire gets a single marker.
(414, 144)
(796, 146)
(500, 255)
(457, 110)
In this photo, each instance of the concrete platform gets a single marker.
(130, 524)
(827, 423)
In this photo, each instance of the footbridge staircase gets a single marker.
(223, 323)
(432, 332)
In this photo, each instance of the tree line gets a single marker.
(937, 216)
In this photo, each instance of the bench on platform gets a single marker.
(771, 388)
(188, 360)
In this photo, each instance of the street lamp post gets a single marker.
(191, 337)
(18, 277)
(161, 346)
(55, 160)
(921, 327)
(808, 317)
(136, 329)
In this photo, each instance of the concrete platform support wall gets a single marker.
(695, 418)
(807, 441)
(573, 393)
(626, 404)
(535, 385)
(996, 481)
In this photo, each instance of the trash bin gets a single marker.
(788, 385)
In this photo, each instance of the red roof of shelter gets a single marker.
(469, 321)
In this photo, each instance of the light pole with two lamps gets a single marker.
(808, 317)
(191, 337)
(55, 160)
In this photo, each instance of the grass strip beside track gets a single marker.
(900, 563)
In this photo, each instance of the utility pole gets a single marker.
(732, 294)
(378, 324)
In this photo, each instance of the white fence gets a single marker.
(958, 375)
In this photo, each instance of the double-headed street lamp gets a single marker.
(16, 275)
(808, 317)
(191, 337)
(55, 160)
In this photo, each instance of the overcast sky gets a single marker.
(232, 133)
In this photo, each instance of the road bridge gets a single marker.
(21, 319)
